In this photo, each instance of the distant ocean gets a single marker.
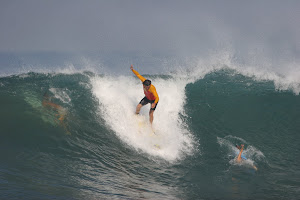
(97, 152)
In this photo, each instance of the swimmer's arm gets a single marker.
(137, 74)
(239, 158)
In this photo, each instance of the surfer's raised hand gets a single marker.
(131, 67)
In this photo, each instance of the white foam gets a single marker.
(118, 97)
(83, 64)
(284, 74)
(250, 152)
(61, 94)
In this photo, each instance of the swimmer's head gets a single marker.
(239, 147)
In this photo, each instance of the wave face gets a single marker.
(75, 136)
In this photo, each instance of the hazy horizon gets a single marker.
(176, 27)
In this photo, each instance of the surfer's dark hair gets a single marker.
(147, 82)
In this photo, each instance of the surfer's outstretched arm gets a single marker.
(137, 74)
(239, 158)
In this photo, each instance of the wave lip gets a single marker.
(285, 74)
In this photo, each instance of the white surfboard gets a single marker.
(145, 129)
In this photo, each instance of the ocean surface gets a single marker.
(73, 135)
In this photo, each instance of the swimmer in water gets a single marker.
(61, 112)
(241, 157)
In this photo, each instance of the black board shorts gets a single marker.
(145, 101)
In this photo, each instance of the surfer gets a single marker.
(61, 112)
(241, 157)
(151, 95)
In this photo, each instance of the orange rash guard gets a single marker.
(151, 94)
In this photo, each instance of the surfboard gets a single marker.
(145, 129)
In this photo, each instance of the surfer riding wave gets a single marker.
(151, 95)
